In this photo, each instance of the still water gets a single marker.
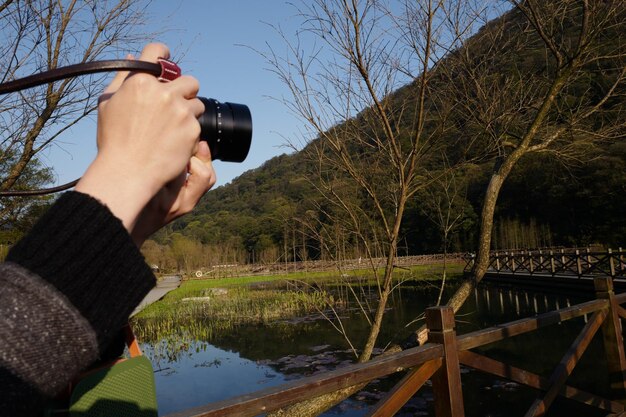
(190, 373)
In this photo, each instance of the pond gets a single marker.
(191, 371)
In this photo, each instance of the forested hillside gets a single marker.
(276, 212)
(542, 205)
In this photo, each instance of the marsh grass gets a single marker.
(222, 304)
(200, 318)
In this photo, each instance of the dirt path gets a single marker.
(165, 285)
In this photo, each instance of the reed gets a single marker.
(200, 317)
(200, 309)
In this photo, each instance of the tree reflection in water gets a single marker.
(198, 349)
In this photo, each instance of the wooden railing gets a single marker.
(278, 268)
(569, 263)
(439, 360)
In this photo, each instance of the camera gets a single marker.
(227, 128)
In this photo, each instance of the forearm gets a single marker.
(68, 287)
(65, 291)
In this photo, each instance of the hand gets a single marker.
(147, 132)
(178, 197)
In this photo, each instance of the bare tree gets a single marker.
(40, 35)
(445, 206)
(564, 103)
(364, 90)
(374, 148)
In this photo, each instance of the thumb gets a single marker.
(201, 174)
(203, 152)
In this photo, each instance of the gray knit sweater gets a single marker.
(66, 289)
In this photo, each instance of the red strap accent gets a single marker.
(169, 70)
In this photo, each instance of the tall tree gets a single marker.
(445, 205)
(562, 104)
(372, 149)
(42, 35)
(20, 213)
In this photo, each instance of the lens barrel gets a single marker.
(227, 128)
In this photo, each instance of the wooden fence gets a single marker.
(564, 262)
(439, 360)
(279, 268)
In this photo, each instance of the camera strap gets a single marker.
(163, 69)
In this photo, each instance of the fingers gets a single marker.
(188, 87)
(185, 85)
(117, 81)
(203, 153)
(201, 178)
(178, 197)
(153, 51)
(150, 53)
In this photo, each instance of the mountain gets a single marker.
(262, 215)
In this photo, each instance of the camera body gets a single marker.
(227, 128)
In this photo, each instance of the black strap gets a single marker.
(80, 69)
(67, 72)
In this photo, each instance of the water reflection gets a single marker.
(522, 303)
(204, 373)
(197, 368)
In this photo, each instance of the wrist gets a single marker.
(120, 190)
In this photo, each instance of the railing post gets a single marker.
(611, 262)
(531, 267)
(447, 380)
(579, 265)
(552, 270)
(613, 341)
(497, 262)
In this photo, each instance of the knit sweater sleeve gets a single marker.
(66, 289)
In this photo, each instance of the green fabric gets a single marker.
(124, 390)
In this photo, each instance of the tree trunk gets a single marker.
(484, 244)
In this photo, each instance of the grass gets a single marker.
(419, 272)
(195, 288)
(239, 305)
(240, 302)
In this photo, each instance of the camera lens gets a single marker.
(227, 128)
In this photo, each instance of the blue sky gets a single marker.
(205, 37)
(215, 41)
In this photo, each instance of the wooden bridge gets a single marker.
(555, 269)
(440, 359)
